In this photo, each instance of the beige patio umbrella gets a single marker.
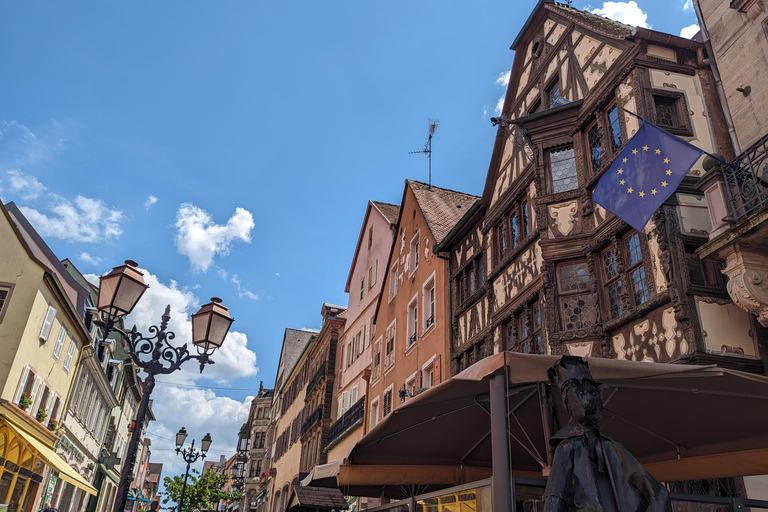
(681, 421)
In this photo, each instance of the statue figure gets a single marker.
(590, 471)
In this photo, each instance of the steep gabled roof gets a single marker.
(442, 208)
(294, 343)
(386, 210)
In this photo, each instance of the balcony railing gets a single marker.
(430, 321)
(312, 419)
(746, 180)
(351, 419)
(319, 374)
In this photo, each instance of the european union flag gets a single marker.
(645, 174)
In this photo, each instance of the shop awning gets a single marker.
(66, 472)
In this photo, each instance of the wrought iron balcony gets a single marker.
(319, 374)
(746, 180)
(430, 322)
(312, 419)
(351, 419)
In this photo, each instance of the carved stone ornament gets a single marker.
(748, 280)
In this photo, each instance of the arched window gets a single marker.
(277, 502)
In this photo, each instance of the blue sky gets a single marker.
(231, 147)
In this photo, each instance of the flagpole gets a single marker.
(657, 126)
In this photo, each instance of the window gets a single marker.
(374, 412)
(45, 331)
(554, 95)
(59, 342)
(577, 303)
(606, 122)
(428, 376)
(615, 278)
(414, 253)
(376, 361)
(670, 111)
(389, 347)
(393, 281)
(370, 237)
(501, 235)
(463, 295)
(429, 304)
(362, 288)
(471, 279)
(525, 224)
(372, 274)
(411, 389)
(5, 298)
(562, 168)
(523, 331)
(387, 407)
(70, 354)
(413, 322)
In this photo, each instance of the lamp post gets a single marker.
(119, 291)
(190, 455)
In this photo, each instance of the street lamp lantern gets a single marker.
(121, 289)
(205, 443)
(210, 325)
(181, 436)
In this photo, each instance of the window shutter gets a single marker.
(45, 331)
(354, 396)
(3, 298)
(70, 354)
(22, 383)
(33, 394)
(60, 342)
(341, 407)
(346, 400)
(48, 404)
(61, 408)
(437, 375)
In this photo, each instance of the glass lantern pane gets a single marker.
(107, 287)
(200, 327)
(128, 294)
(218, 331)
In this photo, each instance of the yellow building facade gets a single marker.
(41, 339)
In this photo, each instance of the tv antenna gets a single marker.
(428, 147)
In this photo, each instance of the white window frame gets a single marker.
(375, 408)
(59, 346)
(45, 330)
(410, 385)
(426, 369)
(393, 272)
(70, 354)
(429, 304)
(389, 359)
(362, 289)
(376, 369)
(413, 253)
(6, 290)
(372, 271)
(412, 328)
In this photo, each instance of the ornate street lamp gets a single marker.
(119, 291)
(190, 455)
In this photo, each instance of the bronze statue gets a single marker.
(590, 471)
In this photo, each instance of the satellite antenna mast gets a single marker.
(428, 147)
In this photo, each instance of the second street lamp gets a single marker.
(119, 291)
(190, 455)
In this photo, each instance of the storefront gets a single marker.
(27, 462)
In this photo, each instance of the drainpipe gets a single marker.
(716, 74)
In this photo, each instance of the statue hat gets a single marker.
(570, 368)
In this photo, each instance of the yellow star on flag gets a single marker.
(669, 172)
(663, 183)
(641, 194)
(634, 151)
(666, 160)
(630, 190)
(624, 160)
(621, 182)
(621, 171)
(645, 148)
(658, 151)
(653, 191)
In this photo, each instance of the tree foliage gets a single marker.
(203, 492)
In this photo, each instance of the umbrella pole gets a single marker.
(503, 500)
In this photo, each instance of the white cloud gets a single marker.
(93, 260)
(199, 238)
(499, 106)
(92, 278)
(81, 220)
(688, 5)
(624, 12)
(309, 329)
(26, 186)
(242, 291)
(233, 360)
(277, 274)
(689, 31)
(176, 401)
(22, 147)
(150, 202)
(503, 79)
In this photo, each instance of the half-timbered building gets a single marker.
(538, 267)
